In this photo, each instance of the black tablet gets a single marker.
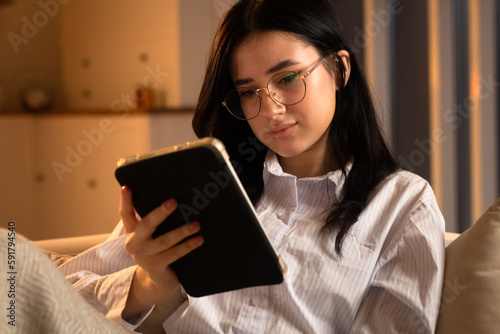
(236, 253)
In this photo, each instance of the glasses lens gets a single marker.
(287, 88)
(243, 103)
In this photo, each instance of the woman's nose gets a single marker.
(270, 107)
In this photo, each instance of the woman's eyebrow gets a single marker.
(281, 65)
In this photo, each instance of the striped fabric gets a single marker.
(40, 298)
(388, 280)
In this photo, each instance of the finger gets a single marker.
(167, 248)
(169, 239)
(150, 222)
(175, 253)
(127, 211)
(174, 237)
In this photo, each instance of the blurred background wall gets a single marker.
(70, 72)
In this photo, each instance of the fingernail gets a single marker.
(194, 226)
(169, 204)
(197, 241)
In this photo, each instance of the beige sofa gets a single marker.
(470, 301)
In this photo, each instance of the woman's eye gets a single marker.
(246, 94)
(288, 78)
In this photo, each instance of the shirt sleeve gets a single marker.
(405, 291)
(103, 276)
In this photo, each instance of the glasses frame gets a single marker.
(272, 95)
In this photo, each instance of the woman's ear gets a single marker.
(346, 59)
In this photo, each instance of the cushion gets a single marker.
(470, 301)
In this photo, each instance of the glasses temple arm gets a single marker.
(314, 67)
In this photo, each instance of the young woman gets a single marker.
(363, 240)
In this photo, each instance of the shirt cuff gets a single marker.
(112, 297)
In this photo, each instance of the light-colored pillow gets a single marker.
(470, 301)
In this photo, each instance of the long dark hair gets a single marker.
(354, 135)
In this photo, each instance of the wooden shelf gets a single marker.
(63, 111)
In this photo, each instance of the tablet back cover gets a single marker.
(236, 253)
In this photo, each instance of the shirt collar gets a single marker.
(272, 167)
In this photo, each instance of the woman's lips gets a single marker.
(282, 131)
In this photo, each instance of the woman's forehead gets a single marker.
(261, 51)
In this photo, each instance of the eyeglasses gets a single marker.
(286, 88)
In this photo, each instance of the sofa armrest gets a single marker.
(450, 237)
(71, 245)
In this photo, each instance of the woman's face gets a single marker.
(297, 133)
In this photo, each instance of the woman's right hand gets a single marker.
(153, 280)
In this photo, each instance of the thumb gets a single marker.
(127, 211)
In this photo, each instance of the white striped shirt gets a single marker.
(388, 280)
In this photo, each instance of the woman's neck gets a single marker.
(308, 164)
